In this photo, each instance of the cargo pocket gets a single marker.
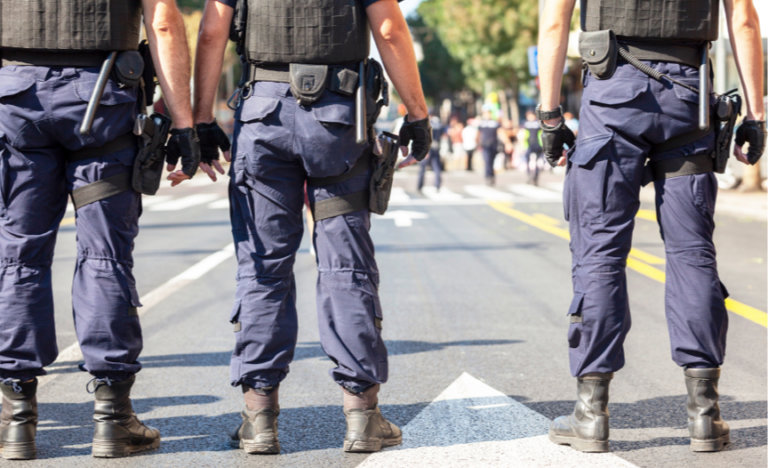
(257, 109)
(576, 338)
(336, 149)
(11, 85)
(113, 94)
(586, 182)
(628, 91)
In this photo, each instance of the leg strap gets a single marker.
(101, 189)
(676, 167)
(118, 144)
(342, 204)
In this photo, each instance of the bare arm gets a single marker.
(554, 26)
(393, 40)
(170, 54)
(744, 29)
(211, 42)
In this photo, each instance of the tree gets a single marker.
(490, 38)
(441, 74)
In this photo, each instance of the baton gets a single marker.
(704, 89)
(98, 91)
(361, 129)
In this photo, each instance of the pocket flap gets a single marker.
(11, 85)
(686, 94)
(575, 308)
(587, 149)
(596, 46)
(257, 108)
(613, 95)
(334, 112)
(112, 96)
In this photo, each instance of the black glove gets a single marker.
(552, 140)
(420, 132)
(212, 137)
(753, 132)
(184, 144)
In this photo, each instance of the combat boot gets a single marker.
(709, 433)
(118, 432)
(258, 431)
(586, 429)
(18, 420)
(367, 430)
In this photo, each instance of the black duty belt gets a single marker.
(279, 73)
(685, 54)
(50, 58)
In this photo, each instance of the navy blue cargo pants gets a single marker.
(278, 144)
(40, 113)
(622, 118)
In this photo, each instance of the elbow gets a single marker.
(390, 31)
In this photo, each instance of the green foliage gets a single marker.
(440, 73)
(490, 38)
(191, 4)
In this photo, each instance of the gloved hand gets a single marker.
(420, 132)
(183, 144)
(752, 132)
(212, 137)
(552, 140)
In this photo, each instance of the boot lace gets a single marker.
(13, 383)
(97, 382)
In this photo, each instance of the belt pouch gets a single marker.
(307, 81)
(128, 69)
(599, 51)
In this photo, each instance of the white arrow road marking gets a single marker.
(403, 218)
(185, 202)
(471, 424)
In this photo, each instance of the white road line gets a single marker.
(150, 200)
(399, 195)
(473, 424)
(222, 204)
(154, 297)
(556, 186)
(185, 202)
(443, 194)
(488, 193)
(403, 218)
(536, 193)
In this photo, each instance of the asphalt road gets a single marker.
(475, 285)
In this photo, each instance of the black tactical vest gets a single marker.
(689, 20)
(70, 24)
(306, 31)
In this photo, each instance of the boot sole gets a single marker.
(710, 445)
(589, 446)
(261, 448)
(111, 449)
(366, 446)
(19, 450)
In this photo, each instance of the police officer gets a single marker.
(52, 52)
(488, 140)
(433, 158)
(629, 118)
(296, 122)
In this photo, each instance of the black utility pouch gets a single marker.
(377, 91)
(148, 166)
(383, 158)
(726, 109)
(599, 50)
(307, 81)
(128, 69)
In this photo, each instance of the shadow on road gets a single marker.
(667, 412)
(305, 350)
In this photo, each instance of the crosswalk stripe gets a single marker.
(530, 191)
(399, 195)
(443, 194)
(488, 193)
(185, 202)
(149, 200)
(221, 204)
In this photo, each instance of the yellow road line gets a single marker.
(748, 312)
(546, 219)
(646, 257)
(649, 215)
(68, 221)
